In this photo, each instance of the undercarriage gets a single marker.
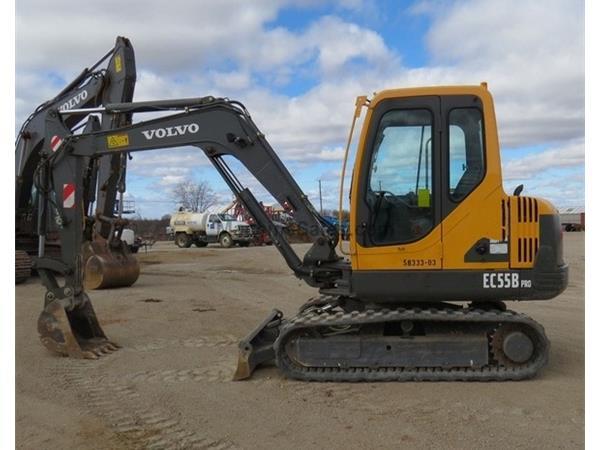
(327, 341)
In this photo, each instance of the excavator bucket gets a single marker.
(74, 332)
(257, 347)
(109, 266)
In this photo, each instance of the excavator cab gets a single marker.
(429, 210)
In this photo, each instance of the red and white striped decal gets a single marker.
(69, 195)
(55, 142)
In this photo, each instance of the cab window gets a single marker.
(400, 178)
(466, 153)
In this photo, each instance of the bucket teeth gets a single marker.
(73, 332)
(106, 348)
(89, 355)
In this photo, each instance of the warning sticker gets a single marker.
(117, 140)
(68, 195)
(55, 143)
(118, 64)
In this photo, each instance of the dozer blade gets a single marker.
(74, 333)
(257, 347)
(108, 267)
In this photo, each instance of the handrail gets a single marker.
(360, 102)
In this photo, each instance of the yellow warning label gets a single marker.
(117, 140)
(118, 63)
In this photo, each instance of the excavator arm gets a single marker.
(219, 127)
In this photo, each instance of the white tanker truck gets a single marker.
(201, 229)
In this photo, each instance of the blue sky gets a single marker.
(299, 64)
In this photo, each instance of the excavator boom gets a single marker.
(220, 127)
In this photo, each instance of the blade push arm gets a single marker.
(220, 128)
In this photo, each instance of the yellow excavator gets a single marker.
(436, 245)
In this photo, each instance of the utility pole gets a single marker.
(320, 199)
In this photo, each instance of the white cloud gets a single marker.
(181, 35)
(171, 180)
(231, 81)
(169, 35)
(335, 154)
(339, 42)
(487, 31)
(569, 155)
(530, 52)
(167, 167)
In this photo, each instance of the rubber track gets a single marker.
(490, 372)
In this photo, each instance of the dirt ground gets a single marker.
(169, 386)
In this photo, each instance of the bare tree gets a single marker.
(195, 196)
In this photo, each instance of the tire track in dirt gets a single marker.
(115, 399)
(197, 342)
(136, 424)
(222, 370)
(216, 372)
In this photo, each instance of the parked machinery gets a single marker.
(107, 261)
(201, 229)
(572, 219)
(260, 236)
(436, 245)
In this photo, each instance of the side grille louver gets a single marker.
(505, 220)
(527, 249)
(527, 210)
(520, 226)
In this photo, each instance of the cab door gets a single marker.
(214, 226)
(396, 203)
(473, 201)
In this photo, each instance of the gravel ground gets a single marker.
(169, 386)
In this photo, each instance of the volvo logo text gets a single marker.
(179, 130)
(73, 102)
